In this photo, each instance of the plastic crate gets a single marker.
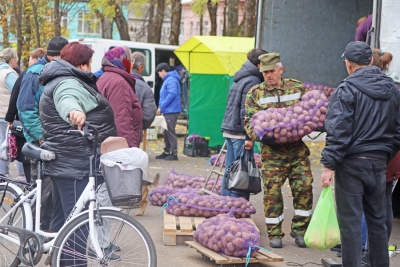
(197, 147)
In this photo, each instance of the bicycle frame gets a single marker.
(87, 195)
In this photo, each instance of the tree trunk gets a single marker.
(201, 24)
(151, 21)
(233, 17)
(250, 18)
(57, 20)
(122, 24)
(4, 24)
(212, 11)
(35, 19)
(18, 16)
(176, 14)
(158, 19)
(106, 28)
(224, 15)
(27, 33)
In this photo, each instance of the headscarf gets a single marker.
(119, 57)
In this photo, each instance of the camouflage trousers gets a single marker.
(275, 171)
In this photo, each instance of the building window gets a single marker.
(88, 24)
(198, 28)
(191, 28)
(221, 27)
(181, 30)
(206, 29)
(64, 19)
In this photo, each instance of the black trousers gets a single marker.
(360, 186)
(66, 192)
(170, 139)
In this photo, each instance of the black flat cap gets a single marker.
(358, 52)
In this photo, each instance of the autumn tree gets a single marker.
(4, 9)
(249, 18)
(233, 18)
(212, 7)
(176, 15)
(111, 10)
(156, 19)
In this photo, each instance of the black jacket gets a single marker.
(363, 118)
(72, 151)
(248, 76)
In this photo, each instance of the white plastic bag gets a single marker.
(4, 148)
(126, 159)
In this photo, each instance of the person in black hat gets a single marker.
(363, 133)
(28, 113)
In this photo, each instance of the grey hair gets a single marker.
(279, 65)
(138, 59)
(7, 54)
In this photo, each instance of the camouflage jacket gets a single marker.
(263, 96)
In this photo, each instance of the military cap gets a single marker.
(268, 61)
(358, 52)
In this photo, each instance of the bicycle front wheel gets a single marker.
(8, 249)
(123, 240)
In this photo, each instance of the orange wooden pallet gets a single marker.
(181, 226)
(218, 258)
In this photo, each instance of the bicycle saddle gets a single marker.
(34, 152)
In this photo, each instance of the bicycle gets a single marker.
(77, 242)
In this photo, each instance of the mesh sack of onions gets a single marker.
(228, 235)
(288, 124)
(328, 91)
(176, 180)
(159, 195)
(193, 204)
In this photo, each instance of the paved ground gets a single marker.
(182, 255)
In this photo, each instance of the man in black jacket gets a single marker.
(232, 125)
(363, 133)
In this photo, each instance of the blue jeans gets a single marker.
(232, 152)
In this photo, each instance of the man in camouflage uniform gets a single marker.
(281, 161)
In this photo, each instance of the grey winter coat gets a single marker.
(146, 99)
(248, 76)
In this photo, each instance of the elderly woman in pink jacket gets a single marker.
(118, 86)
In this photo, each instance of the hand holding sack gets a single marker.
(323, 231)
(289, 124)
(243, 174)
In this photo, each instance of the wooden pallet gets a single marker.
(182, 226)
(261, 256)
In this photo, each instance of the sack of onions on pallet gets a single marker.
(289, 124)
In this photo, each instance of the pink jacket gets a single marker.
(119, 88)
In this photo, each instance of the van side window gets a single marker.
(147, 53)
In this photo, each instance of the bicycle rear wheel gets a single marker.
(124, 242)
(8, 249)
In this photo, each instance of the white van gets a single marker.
(155, 54)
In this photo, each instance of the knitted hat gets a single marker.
(55, 45)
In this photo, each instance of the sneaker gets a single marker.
(163, 155)
(299, 240)
(365, 259)
(114, 247)
(108, 253)
(275, 242)
(172, 157)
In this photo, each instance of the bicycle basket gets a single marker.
(123, 173)
(124, 186)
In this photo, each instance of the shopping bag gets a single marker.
(4, 148)
(323, 231)
(243, 174)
